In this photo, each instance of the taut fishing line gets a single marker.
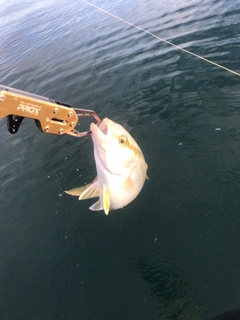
(161, 39)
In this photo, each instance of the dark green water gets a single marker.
(173, 253)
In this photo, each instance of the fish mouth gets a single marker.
(103, 127)
(100, 132)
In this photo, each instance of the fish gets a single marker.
(120, 165)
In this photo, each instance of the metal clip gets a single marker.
(51, 116)
(80, 114)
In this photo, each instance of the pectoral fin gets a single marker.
(93, 191)
(88, 191)
(78, 191)
(106, 200)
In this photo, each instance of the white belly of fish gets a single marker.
(119, 195)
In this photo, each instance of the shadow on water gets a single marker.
(175, 297)
(229, 315)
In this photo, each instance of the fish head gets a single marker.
(116, 152)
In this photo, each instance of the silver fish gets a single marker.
(121, 168)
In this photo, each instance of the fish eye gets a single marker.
(122, 140)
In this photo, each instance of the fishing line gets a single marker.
(161, 39)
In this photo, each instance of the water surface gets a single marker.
(173, 253)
